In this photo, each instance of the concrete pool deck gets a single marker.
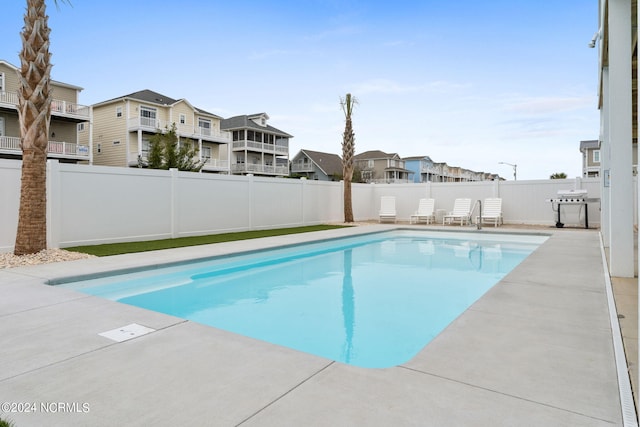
(536, 349)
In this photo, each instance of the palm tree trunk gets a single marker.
(348, 151)
(34, 113)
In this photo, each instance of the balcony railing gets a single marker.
(216, 164)
(58, 107)
(256, 168)
(390, 180)
(302, 167)
(11, 144)
(260, 146)
(150, 124)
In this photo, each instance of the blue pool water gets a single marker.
(372, 301)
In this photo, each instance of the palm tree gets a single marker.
(34, 113)
(348, 151)
(558, 175)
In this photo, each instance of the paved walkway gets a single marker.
(535, 350)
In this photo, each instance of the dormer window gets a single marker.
(263, 121)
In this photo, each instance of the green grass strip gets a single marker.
(154, 245)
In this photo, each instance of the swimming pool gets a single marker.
(372, 301)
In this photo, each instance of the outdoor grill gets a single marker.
(573, 201)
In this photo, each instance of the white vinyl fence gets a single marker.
(97, 204)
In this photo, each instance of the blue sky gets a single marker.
(470, 83)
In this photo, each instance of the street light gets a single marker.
(514, 169)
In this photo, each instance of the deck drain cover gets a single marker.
(126, 332)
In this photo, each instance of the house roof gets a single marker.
(375, 154)
(590, 144)
(245, 122)
(418, 158)
(152, 97)
(328, 163)
(57, 83)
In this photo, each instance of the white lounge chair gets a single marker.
(424, 212)
(491, 211)
(461, 212)
(387, 208)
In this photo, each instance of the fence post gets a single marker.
(303, 183)
(173, 175)
(250, 202)
(54, 205)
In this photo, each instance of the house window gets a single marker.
(205, 126)
(183, 119)
(206, 153)
(238, 135)
(596, 156)
(80, 127)
(269, 139)
(99, 148)
(254, 136)
(1, 82)
(369, 163)
(118, 112)
(148, 116)
(1, 126)
(146, 145)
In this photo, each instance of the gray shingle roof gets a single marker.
(152, 97)
(244, 122)
(375, 154)
(329, 163)
(585, 145)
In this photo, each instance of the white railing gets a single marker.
(198, 132)
(58, 107)
(194, 132)
(217, 164)
(58, 148)
(256, 168)
(391, 181)
(69, 109)
(68, 149)
(302, 167)
(10, 143)
(9, 98)
(146, 123)
(261, 146)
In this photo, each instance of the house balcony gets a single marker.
(259, 169)
(59, 109)
(55, 149)
(301, 167)
(391, 181)
(430, 169)
(151, 125)
(216, 165)
(260, 147)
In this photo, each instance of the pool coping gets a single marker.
(456, 378)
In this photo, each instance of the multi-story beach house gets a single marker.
(123, 127)
(257, 147)
(426, 170)
(317, 165)
(378, 166)
(590, 158)
(68, 120)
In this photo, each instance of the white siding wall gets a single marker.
(99, 204)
